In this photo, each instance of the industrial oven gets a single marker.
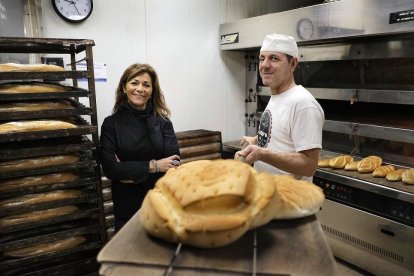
(357, 59)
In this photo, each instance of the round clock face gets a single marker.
(73, 10)
(305, 29)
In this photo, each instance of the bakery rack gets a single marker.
(87, 220)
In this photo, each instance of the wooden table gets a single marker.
(284, 247)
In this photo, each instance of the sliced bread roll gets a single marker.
(340, 162)
(352, 166)
(369, 164)
(407, 177)
(395, 175)
(383, 171)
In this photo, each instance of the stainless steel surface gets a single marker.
(379, 245)
(330, 21)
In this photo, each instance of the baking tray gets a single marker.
(77, 109)
(54, 146)
(85, 211)
(82, 128)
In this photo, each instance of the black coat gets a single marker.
(135, 138)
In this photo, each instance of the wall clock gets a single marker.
(73, 11)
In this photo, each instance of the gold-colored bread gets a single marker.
(31, 87)
(340, 162)
(352, 166)
(295, 204)
(369, 164)
(38, 180)
(324, 163)
(407, 177)
(37, 215)
(383, 171)
(16, 67)
(24, 200)
(36, 125)
(211, 203)
(34, 106)
(38, 162)
(395, 175)
(45, 248)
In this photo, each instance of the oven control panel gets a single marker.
(391, 208)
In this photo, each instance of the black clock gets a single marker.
(73, 11)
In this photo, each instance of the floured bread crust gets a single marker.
(211, 203)
(16, 67)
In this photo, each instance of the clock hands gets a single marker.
(74, 4)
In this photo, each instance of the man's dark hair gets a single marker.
(289, 58)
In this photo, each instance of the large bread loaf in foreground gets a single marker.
(211, 203)
(36, 125)
(16, 67)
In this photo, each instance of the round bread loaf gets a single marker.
(211, 203)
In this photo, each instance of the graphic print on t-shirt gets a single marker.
(265, 127)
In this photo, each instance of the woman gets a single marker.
(138, 142)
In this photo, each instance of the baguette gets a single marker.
(30, 199)
(33, 181)
(369, 164)
(211, 203)
(37, 215)
(383, 171)
(38, 125)
(31, 87)
(340, 162)
(16, 67)
(45, 248)
(34, 106)
(38, 162)
(395, 175)
(407, 177)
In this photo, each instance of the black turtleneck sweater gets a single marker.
(135, 137)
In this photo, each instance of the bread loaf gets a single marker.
(407, 177)
(352, 166)
(21, 201)
(369, 164)
(395, 175)
(32, 181)
(298, 198)
(45, 248)
(37, 125)
(324, 163)
(34, 106)
(211, 203)
(31, 87)
(37, 215)
(339, 162)
(38, 162)
(16, 67)
(383, 171)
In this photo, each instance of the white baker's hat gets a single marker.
(280, 43)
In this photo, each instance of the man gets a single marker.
(290, 130)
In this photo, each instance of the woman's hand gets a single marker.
(167, 163)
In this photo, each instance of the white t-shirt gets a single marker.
(291, 122)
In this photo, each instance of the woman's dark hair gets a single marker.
(157, 97)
